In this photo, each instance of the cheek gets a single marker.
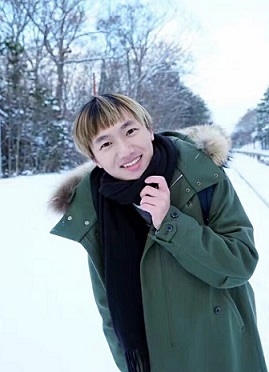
(96, 162)
(105, 161)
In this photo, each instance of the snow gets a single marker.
(48, 318)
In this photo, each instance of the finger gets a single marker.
(148, 200)
(159, 204)
(149, 190)
(161, 181)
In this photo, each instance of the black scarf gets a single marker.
(123, 235)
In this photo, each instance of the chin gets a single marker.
(130, 177)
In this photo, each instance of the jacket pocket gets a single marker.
(233, 308)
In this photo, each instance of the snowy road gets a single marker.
(48, 319)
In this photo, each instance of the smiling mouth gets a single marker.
(132, 163)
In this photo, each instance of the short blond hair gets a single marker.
(104, 111)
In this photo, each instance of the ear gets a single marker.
(151, 135)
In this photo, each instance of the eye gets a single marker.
(131, 131)
(105, 145)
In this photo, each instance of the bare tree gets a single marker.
(61, 24)
(242, 133)
(14, 22)
(132, 33)
(149, 68)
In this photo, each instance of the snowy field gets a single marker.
(48, 319)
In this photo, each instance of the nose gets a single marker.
(124, 148)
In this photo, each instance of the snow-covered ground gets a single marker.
(48, 319)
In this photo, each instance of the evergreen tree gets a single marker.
(263, 111)
(245, 128)
(263, 120)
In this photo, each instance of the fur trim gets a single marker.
(211, 139)
(60, 198)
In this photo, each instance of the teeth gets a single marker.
(132, 163)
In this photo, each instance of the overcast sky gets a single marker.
(231, 55)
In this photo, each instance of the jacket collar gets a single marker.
(80, 217)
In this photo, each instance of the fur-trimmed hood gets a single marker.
(211, 139)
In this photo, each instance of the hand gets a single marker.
(156, 201)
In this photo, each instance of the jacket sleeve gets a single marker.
(221, 254)
(101, 301)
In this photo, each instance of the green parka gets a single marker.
(199, 307)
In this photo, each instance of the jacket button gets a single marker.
(216, 175)
(198, 183)
(69, 218)
(169, 228)
(86, 222)
(187, 189)
(217, 310)
(174, 214)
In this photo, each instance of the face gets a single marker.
(123, 150)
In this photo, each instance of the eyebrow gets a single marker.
(125, 125)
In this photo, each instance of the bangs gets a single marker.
(104, 114)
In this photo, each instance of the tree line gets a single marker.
(55, 54)
(253, 127)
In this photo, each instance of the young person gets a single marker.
(171, 287)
